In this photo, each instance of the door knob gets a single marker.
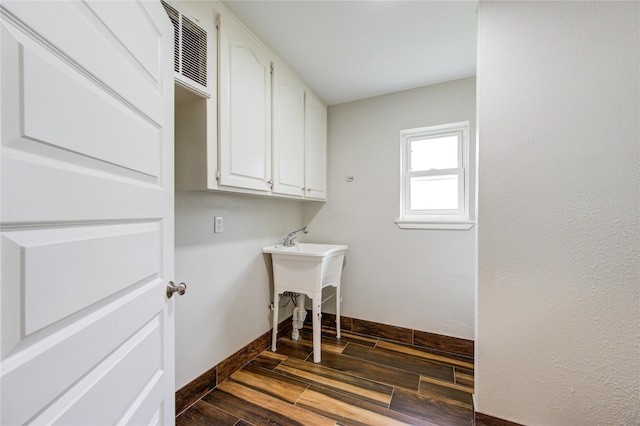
(172, 288)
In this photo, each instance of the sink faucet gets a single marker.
(288, 242)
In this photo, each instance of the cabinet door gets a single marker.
(288, 132)
(315, 148)
(245, 109)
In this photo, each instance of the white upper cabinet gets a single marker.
(299, 138)
(288, 132)
(315, 148)
(244, 109)
(263, 133)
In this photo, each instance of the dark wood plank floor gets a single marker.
(360, 381)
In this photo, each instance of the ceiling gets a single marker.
(349, 50)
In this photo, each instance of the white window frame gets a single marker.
(435, 219)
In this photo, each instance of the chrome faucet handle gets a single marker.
(292, 236)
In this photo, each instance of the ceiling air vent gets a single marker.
(190, 52)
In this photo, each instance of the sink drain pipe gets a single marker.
(299, 315)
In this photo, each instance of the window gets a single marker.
(434, 189)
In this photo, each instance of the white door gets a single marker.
(86, 213)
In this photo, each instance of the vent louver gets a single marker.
(190, 51)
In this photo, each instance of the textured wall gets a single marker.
(419, 279)
(228, 277)
(558, 326)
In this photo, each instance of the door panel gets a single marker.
(58, 262)
(115, 68)
(120, 136)
(46, 364)
(65, 179)
(86, 217)
(136, 362)
(141, 45)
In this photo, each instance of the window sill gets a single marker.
(416, 224)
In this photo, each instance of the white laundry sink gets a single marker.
(305, 249)
(307, 268)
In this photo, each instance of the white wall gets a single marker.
(419, 279)
(558, 334)
(228, 277)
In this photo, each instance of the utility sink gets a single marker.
(306, 268)
(305, 249)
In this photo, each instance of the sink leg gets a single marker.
(338, 311)
(276, 304)
(317, 327)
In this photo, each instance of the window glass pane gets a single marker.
(434, 192)
(434, 153)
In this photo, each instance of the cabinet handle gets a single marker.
(304, 189)
(308, 189)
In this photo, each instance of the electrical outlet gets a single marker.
(218, 224)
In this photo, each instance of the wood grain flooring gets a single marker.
(361, 380)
